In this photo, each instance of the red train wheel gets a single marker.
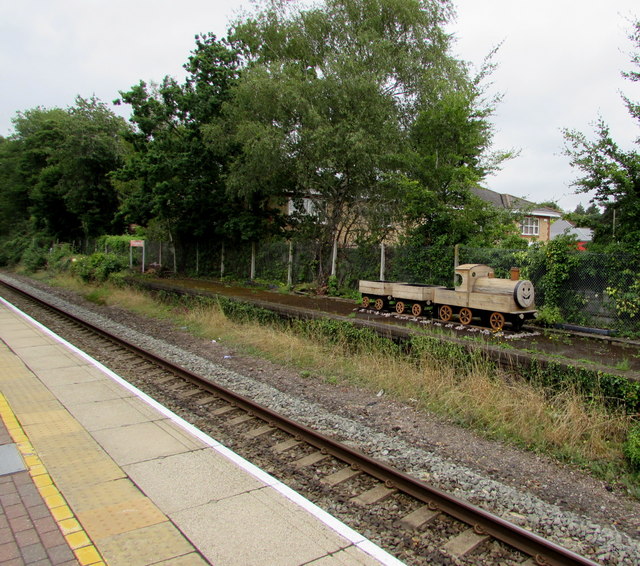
(400, 306)
(445, 312)
(466, 316)
(496, 320)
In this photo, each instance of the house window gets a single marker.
(305, 206)
(530, 226)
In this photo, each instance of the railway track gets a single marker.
(417, 522)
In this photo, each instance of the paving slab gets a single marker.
(254, 532)
(11, 460)
(99, 415)
(144, 441)
(88, 392)
(191, 479)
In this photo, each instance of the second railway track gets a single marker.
(418, 523)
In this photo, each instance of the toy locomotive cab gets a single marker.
(479, 293)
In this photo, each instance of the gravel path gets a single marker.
(555, 501)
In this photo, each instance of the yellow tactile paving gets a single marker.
(81, 545)
(49, 422)
(89, 495)
(120, 518)
(144, 546)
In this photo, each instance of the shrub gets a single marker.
(34, 257)
(12, 248)
(98, 266)
(549, 316)
(60, 258)
(632, 446)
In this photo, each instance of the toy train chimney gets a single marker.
(515, 273)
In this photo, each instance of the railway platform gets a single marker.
(94, 472)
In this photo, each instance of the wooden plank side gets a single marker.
(406, 292)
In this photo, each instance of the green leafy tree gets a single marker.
(323, 110)
(449, 155)
(56, 169)
(590, 217)
(14, 193)
(609, 172)
(173, 177)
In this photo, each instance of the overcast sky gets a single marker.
(558, 66)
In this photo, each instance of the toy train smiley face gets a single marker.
(524, 294)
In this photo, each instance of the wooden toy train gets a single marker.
(477, 294)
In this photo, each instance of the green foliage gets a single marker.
(332, 286)
(57, 171)
(549, 316)
(327, 105)
(98, 266)
(632, 447)
(60, 258)
(35, 256)
(97, 296)
(626, 296)
(347, 335)
(559, 259)
(615, 390)
(239, 311)
(174, 178)
(555, 267)
(415, 262)
(12, 248)
(449, 142)
(114, 244)
(433, 348)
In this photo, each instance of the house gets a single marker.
(583, 235)
(536, 221)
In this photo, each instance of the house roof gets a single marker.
(509, 202)
(560, 227)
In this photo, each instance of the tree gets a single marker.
(173, 177)
(591, 217)
(324, 108)
(358, 108)
(609, 172)
(14, 195)
(449, 155)
(56, 169)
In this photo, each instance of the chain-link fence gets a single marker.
(582, 288)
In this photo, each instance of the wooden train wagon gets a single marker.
(376, 294)
(413, 296)
(382, 294)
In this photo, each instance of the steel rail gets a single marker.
(545, 552)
